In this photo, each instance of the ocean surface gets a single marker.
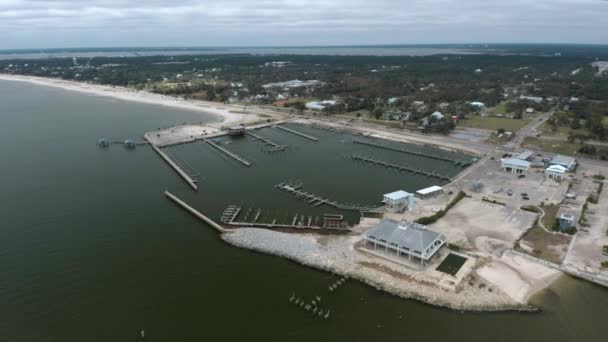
(91, 250)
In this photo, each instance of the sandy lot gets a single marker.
(483, 227)
(518, 277)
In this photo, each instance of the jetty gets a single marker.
(309, 137)
(316, 200)
(250, 218)
(415, 153)
(274, 147)
(180, 171)
(194, 212)
(228, 153)
(400, 167)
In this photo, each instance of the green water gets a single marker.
(90, 250)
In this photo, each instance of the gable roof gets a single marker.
(397, 195)
(556, 168)
(516, 162)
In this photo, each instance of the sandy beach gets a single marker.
(226, 114)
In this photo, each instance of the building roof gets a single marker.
(562, 160)
(556, 168)
(437, 115)
(405, 234)
(515, 162)
(524, 155)
(429, 190)
(566, 216)
(397, 195)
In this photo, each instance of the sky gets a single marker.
(110, 23)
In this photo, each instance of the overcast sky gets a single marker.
(88, 23)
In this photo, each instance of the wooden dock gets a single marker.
(194, 212)
(189, 179)
(274, 147)
(228, 153)
(309, 137)
(316, 200)
(415, 153)
(400, 167)
(328, 221)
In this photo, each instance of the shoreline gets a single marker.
(352, 264)
(221, 114)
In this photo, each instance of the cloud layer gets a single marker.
(75, 23)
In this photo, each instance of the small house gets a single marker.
(398, 201)
(566, 220)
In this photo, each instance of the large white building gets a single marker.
(515, 165)
(405, 239)
(565, 161)
(556, 172)
(398, 201)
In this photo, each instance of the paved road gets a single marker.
(527, 130)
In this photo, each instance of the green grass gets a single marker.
(451, 264)
(553, 146)
(500, 108)
(550, 215)
(493, 123)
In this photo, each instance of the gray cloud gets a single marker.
(67, 23)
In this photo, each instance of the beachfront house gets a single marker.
(407, 239)
(514, 165)
(398, 201)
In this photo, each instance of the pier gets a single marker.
(274, 147)
(328, 221)
(228, 153)
(316, 200)
(415, 153)
(190, 180)
(194, 212)
(309, 137)
(400, 167)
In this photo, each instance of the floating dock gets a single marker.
(316, 200)
(328, 221)
(274, 147)
(309, 137)
(415, 153)
(400, 167)
(228, 153)
(194, 212)
(190, 180)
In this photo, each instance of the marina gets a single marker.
(127, 258)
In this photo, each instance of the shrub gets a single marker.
(431, 219)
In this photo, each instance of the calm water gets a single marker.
(90, 250)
